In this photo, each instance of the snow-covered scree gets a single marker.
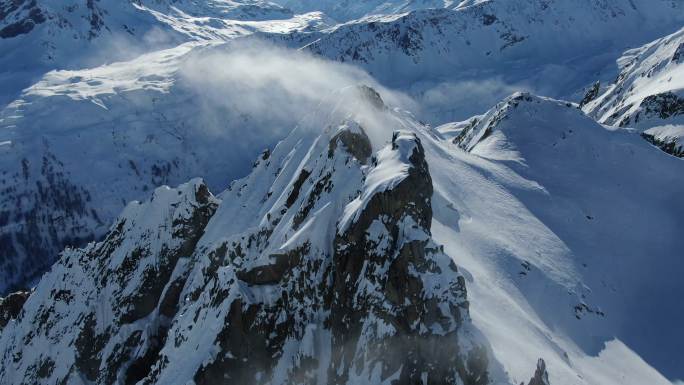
(80, 144)
(648, 94)
(326, 265)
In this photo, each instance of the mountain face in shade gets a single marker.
(459, 61)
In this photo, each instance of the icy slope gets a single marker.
(648, 94)
(271, 289)
(458, 62)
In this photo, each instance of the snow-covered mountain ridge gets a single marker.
(427, 52)
(287, 296)
(140, 124)
(364, 246)
(277, 303)
(648, 94)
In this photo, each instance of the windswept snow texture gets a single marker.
(592, 211)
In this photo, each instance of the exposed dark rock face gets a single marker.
(670, 145)
(541, 377)
(664, 106)
(591, 94)
(371, 96)
(10, 306)
(678, 56)
(26, 13)
(356, 143)
(398, 298)
(294, 194)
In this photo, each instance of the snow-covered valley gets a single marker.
(361, 192)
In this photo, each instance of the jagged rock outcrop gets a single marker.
(591, 94)
(26, 14)
(671, 144)
(541, 377)
(390, 285)
(335, 280)
(11, 306)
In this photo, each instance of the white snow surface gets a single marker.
(556, 211)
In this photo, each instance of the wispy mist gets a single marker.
(271, 89)
(459, 100)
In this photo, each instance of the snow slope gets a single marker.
(648, 94)
(578, 224)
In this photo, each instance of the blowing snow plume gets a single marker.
(276, 88)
